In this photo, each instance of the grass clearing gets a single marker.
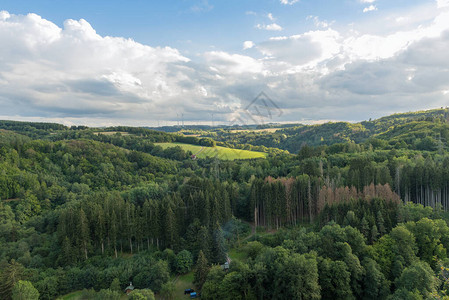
(237, 254)
(72, 296)
(255, 130)
(182, 283)
(78, 295)
(217, 151)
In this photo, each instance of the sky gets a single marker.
(149, 63)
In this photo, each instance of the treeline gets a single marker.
(32, 129)
(416, 131)
(149, 218)
(290, 201)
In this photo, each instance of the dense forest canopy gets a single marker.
(350, 211)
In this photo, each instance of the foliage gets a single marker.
(201, 271)
(357, 214)
(24, 290)
(184, 261)
(145, 294)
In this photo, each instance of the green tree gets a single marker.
(419, 276)
(403, 293)
(183, 261)
(115, 285)
(375, 285)
(168, 290)
(218, 249)
(429, 234)
(297, 278)
(11, 274)
(334, 280)
(48, 287)
(212, 286)
(145, 294)
(108, 294)
(201, 271)
(24, 290)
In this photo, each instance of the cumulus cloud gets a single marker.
(302, 51)
(270, 27)
(370, 8)
(318, 22)
(442, 3)
(73, 74)
(74, 70)
(248, 45)
(289, 2)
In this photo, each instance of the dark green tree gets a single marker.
(201, 270)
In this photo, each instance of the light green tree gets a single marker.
(24, 290)
(168, 291)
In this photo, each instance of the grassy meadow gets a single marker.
(217, 151)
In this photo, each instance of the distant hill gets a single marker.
(421, 130)
(409, 127)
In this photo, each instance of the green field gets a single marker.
(217, 151)
(78, 295)
(183, 282)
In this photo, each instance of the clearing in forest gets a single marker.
(218, 151)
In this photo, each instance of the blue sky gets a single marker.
(143, 62)
(199, 25)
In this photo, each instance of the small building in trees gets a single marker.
(225, 266)
(129, 289)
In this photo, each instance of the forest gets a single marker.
(335, 211)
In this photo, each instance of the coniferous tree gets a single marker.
(201, 270)
(218, 248)
(374, 234)
(10, 275)
(83, 233)
(115, 285)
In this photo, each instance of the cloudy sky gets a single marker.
(139, 62)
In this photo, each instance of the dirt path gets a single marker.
(198, 153)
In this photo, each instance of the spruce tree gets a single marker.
(218, 248)
(11, 274)
(201, 271)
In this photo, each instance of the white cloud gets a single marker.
(367, 1)
(302, 51)
(318, 22)
(273, 27)
(75, 75)
(442, 3)
(73, 70)
(289, 2)
(270, 27)
(202, 6)
(370, 8)
(248, 45)
(232, 63)
(270, 16)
